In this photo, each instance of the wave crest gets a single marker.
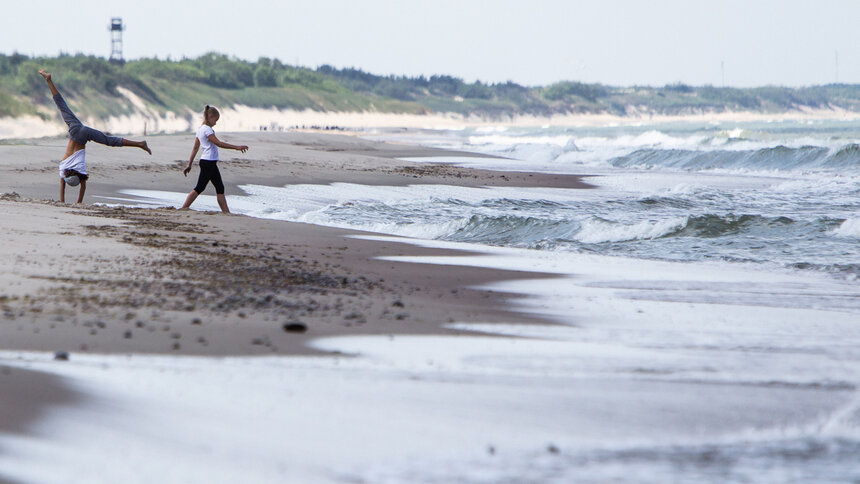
(597, 230)
(780, 158)
(849, 228)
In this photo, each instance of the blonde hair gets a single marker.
(209, 110)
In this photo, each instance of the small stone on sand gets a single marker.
(295, 327)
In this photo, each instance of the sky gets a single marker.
(535, 42)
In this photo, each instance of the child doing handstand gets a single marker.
(73, 168)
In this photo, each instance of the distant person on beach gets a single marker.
(73, 168)
(207, 140)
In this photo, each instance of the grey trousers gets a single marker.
(80, 133)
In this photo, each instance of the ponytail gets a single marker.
(206, 112)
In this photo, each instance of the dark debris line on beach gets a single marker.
(195, 273)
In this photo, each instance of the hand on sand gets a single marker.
(44, 74)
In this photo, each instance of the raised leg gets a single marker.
(86, 134)
(47, 77)
(138, 144)
(90, 134)
(68, 116)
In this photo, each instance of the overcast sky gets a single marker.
(534, 42)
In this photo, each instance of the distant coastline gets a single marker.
(149, 96)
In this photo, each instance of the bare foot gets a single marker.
(44, 74)
(145, 147)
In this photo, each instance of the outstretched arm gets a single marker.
(191, 158)
(227, 146)
(83, 189)
(47, 77)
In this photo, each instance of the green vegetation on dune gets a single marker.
(92, 85)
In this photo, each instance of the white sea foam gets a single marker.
(491, 129)
(593, 150)
(362, 207)
(595, 231)
(509, 141)
(849, 228)
(821, 185)
(683, 189)
(305, 198)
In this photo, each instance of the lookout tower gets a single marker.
(116, 28)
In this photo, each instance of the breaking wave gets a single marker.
(778, 158)
(849, 228)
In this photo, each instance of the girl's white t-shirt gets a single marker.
(208, 150)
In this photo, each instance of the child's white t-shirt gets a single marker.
(76, 161)
(208, 150)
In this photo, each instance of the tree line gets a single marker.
(268, 81)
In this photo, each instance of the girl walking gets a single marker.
(73, 168)
(209, 143)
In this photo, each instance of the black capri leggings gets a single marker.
(209, 172)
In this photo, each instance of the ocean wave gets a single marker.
(710, 225)
(513, 230)
(845, 157)
(849, 228)
(683, 196)
(649, 139)
(597, 230)
(778, 158)
(846, 270)
(420, 230)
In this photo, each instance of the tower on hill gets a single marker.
(116, 28)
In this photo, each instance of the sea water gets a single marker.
(782, 194)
